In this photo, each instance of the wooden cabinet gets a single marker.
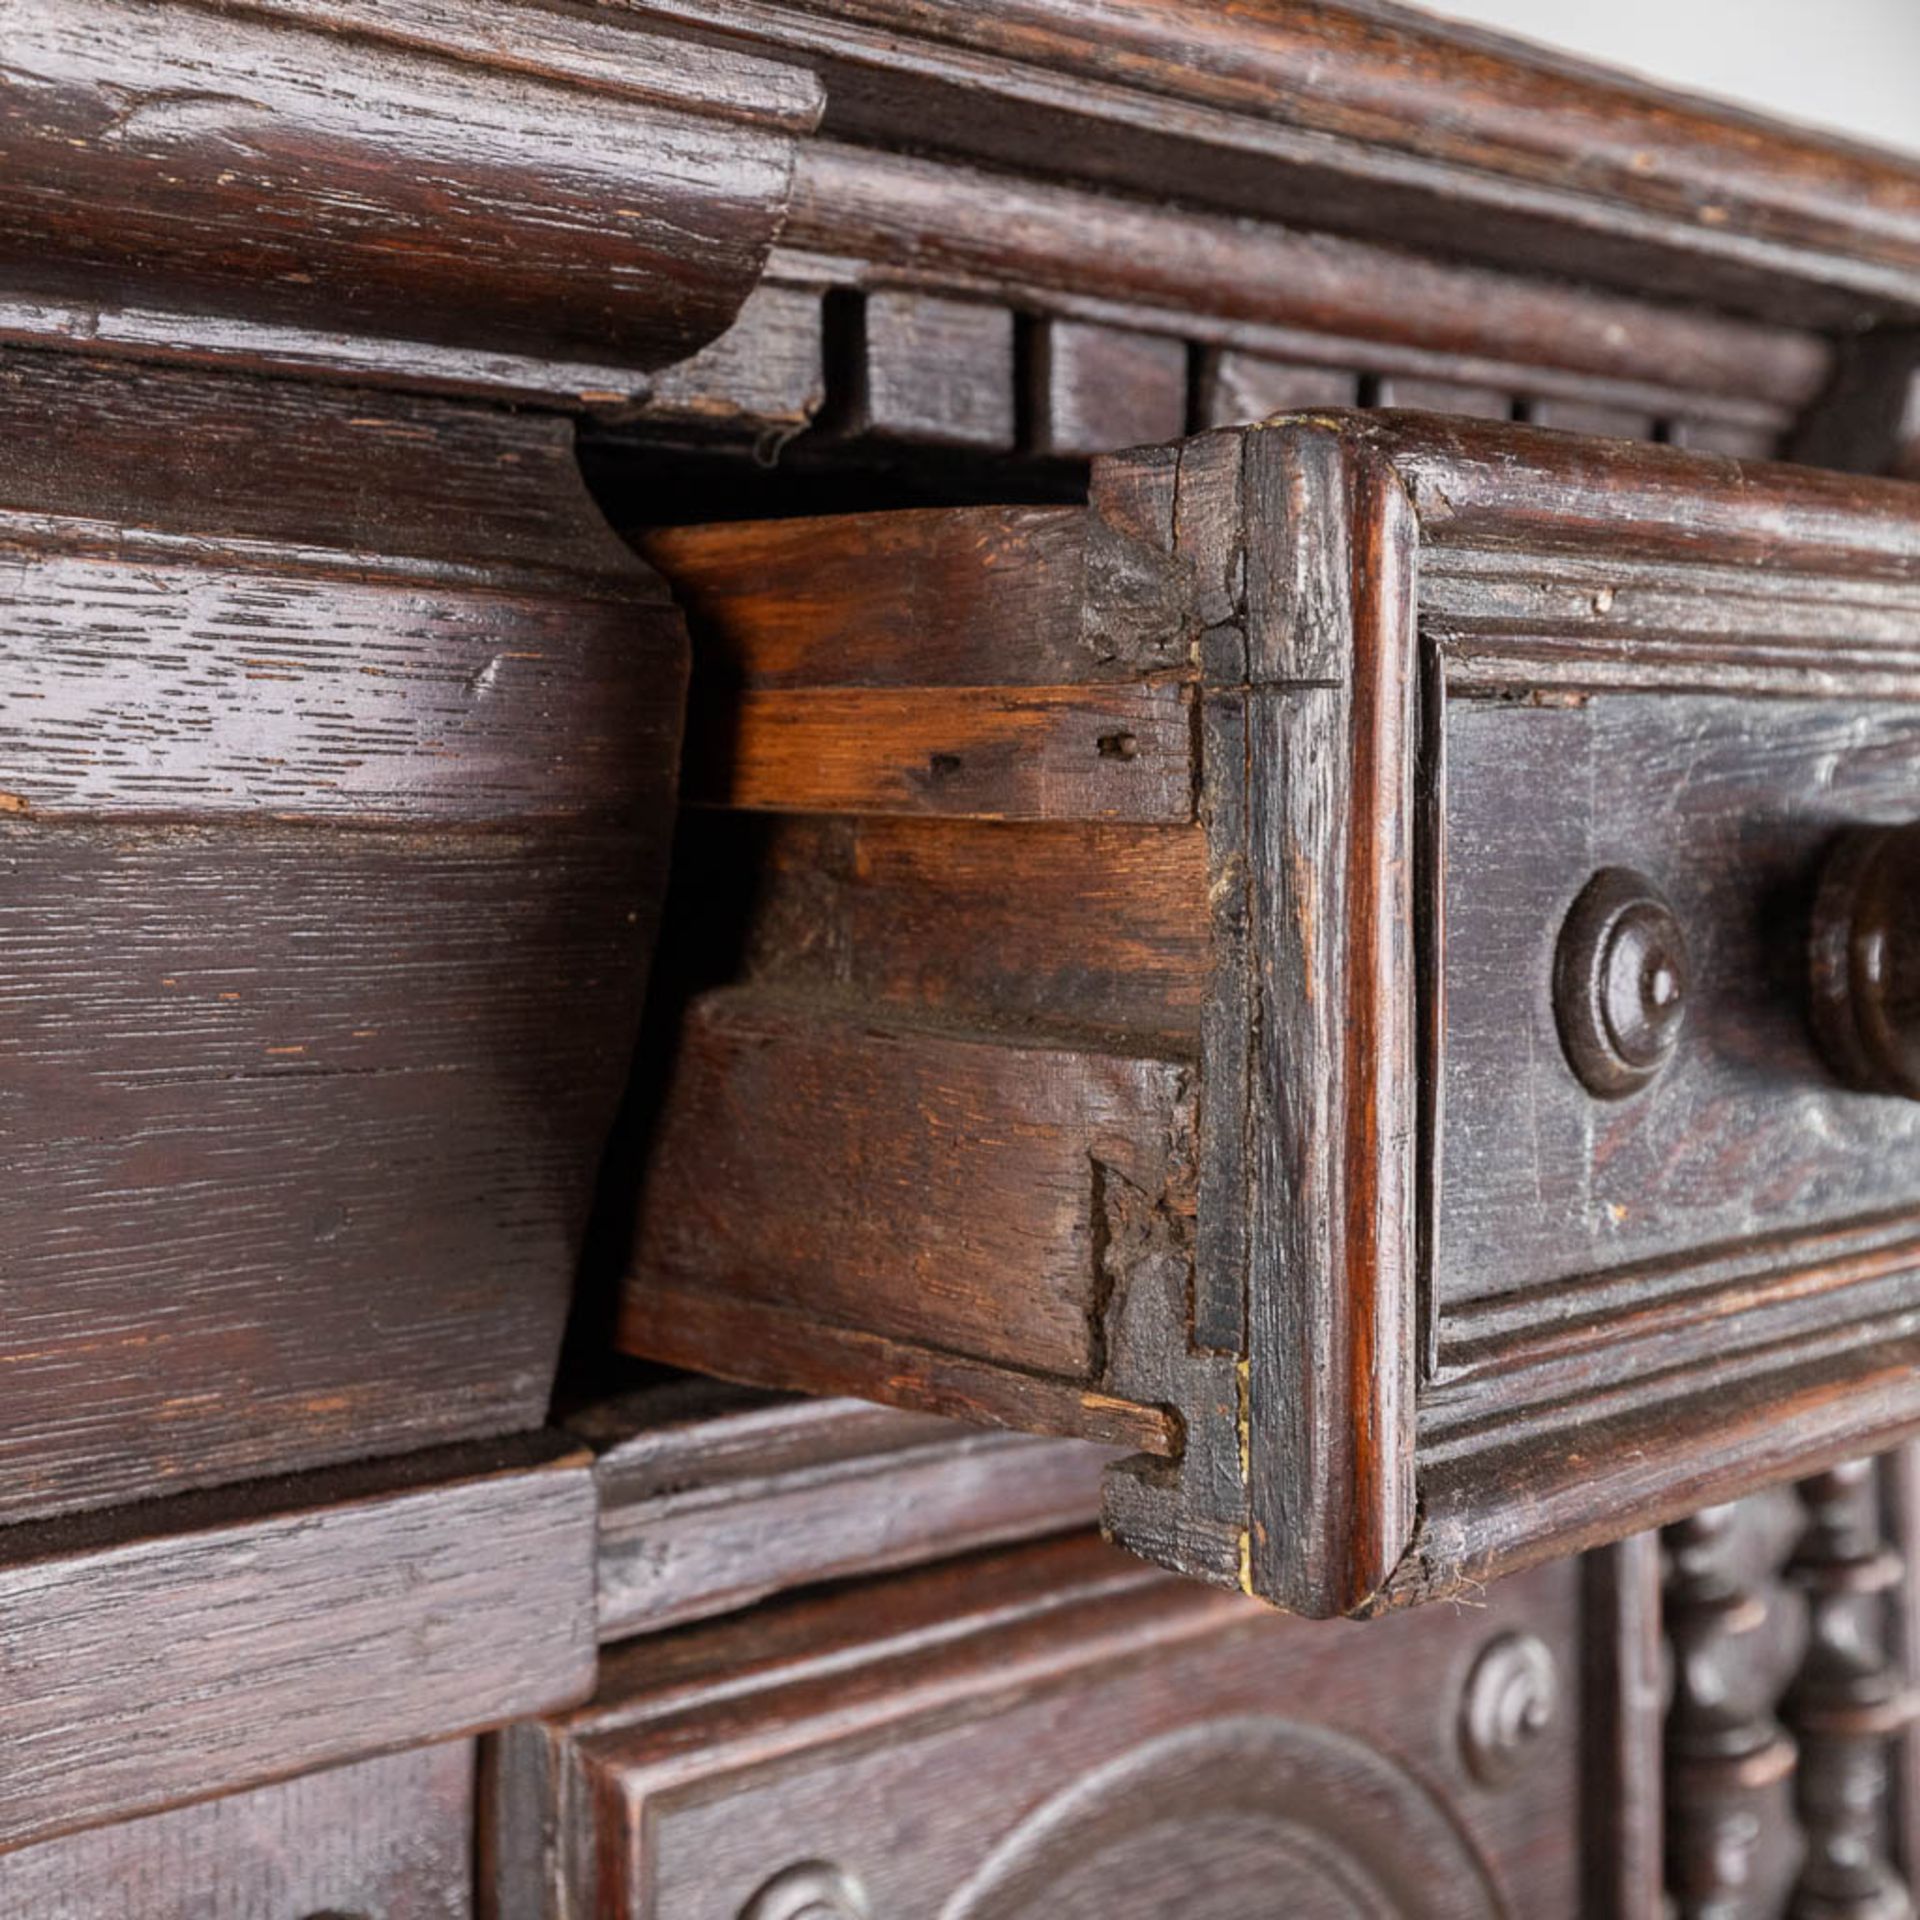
(1311, 968)
(1341, 990)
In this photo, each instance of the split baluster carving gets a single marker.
(1727, 1754)
(1849, 1702)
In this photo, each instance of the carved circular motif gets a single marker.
(1236, 1817)
(1512, 1698)
(1620, 977)
(809, 1890)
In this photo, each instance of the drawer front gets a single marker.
(1057, 1732)
(1729, 806)
(1438, 1104)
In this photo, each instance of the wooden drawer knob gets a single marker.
(1866, 960)
(1620, 983)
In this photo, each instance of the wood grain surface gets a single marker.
(712, 1498)
(339, 746)
(1419, 130)
(196, 1646)
(390, 1837)
(574, 188)
(1442, 670)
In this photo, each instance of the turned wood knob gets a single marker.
(1866, 960)
(1620, 983)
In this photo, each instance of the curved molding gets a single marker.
(1366, 117)
(438, 174)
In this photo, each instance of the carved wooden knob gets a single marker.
(1620, 983)
(1866, 960)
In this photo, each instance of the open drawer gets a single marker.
(1374, 966)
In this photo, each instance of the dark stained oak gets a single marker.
(1098, 387)
(1730, 1844)
(1114, 262)
(338, 751)
(1396, 1301)
(967, 346)
(389, 1838)
(195, 1646)
(1789, 1780)
(1850, 1701)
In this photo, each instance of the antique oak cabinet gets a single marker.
(961, 961)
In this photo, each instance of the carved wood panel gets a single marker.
(1055, 1731)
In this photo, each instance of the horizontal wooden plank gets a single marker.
(186, 464)
(1038, 235)
(713, 1498)
(390, 1837)
(996, 753)
(595, 216)
(936, 1188)
(1529, 489)
(191, 1647)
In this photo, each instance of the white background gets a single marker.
(1849, 65)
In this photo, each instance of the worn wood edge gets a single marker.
(1505, 1507)
(1332, 655)
(601, 50)
(1614, 179)
(1056, 1587)
(129, 328)
(450, 491)
(770, 1346)
(674, 269)
(1476, 483)
(833, 1488)
(687, 1444)
(213, 1510)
